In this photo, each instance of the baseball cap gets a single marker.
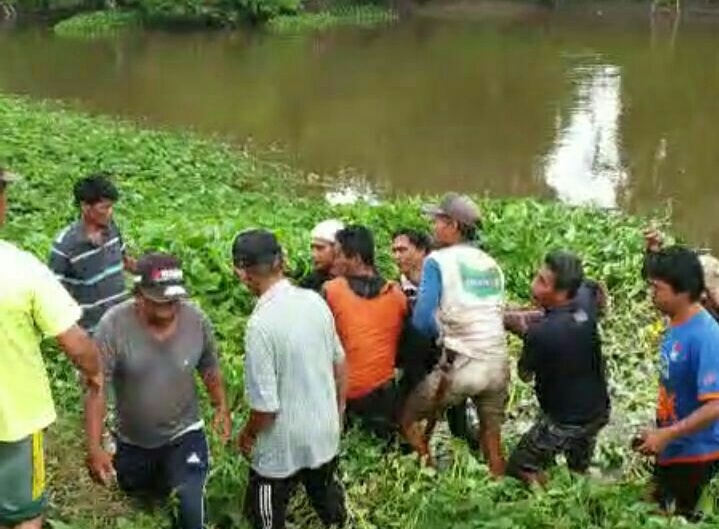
(255, 247)
(160, 278)
(327, 230)
(457, 207)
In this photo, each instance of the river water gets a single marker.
(585, 107)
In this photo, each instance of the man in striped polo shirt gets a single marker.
(89, 255)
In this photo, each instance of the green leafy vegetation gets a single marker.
(190, 195)
(97, 23)
(358, 16)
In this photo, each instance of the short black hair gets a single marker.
(357, 241)
(567, 269)
(419, 239)
(95, 188)
(680, 268)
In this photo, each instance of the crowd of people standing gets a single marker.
(342, 347)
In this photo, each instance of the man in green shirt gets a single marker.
(33, 305)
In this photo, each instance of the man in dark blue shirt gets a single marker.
(562, 352)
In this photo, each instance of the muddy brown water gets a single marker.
(596, 107)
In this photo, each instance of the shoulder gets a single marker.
(67, 237)
(193, 311)
(113, 320)
(28, 266)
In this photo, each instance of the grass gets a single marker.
(356, 16)
(189, 195)
(97, 24)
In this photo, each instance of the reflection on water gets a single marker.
(585, 164)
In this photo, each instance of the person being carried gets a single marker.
(460, 303)
(685, 442)
(369, 313)
(324, 237)
(295, 383)
(418, 354)
(33, 305)
(563, 354)
(89, 255)
(152, 346)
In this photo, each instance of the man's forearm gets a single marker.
(258, 422)
(94, 416)
(340, 373)
(701, 419)
(215, 389)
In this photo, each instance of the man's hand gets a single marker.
(222, 425)
(99, 463)
(653, 442)
(246, 443)
(653, 239)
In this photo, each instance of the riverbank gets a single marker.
(190, 195)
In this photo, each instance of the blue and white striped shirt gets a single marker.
(92, 273)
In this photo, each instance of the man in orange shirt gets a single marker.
(369, 313)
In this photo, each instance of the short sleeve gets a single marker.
(708, 367)
(260, 374)
(208, 359)
(54, 310)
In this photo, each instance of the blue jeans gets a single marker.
(179, 467)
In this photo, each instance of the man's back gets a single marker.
(289, 368)
(31, 302)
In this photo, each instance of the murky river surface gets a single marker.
(611, 109)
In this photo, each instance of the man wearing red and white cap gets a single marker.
(152, 346)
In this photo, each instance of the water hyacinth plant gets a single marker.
(190, 195)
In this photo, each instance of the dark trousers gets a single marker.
(266, 499)
(376, 412)
(682, 485)
(178, 468)
(547, 439)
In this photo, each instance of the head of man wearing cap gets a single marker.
(159, 287)
(456, 219)
(5, 178)
(324, 238)
(258, 261)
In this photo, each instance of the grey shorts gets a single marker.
(452, 382)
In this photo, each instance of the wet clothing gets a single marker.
(291, 348)
(92, 273)
(563, 352)
(369, 314)
(22, 480)
(689, 377)
(179, 467)
(266, 499)
(315, 280)
(33, 305)
(679, 487)
(153, 381)
(461, 301)
(547, 439)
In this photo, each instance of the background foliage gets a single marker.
(189, 196)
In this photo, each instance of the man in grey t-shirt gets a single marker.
(152, 347)
(295, 383)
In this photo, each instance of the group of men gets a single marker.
(343, 347)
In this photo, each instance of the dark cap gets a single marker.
(255, 247)
(457, 207)
(160, 278)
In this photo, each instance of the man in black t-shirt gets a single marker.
(562, 352)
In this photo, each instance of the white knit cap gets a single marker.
(327, 230)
